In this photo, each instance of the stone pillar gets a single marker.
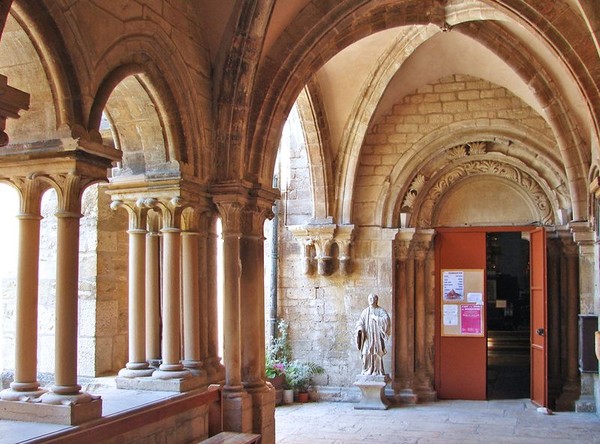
(171, 366)
(152, 287)
(25, 386)
(137, 365)
(554, 310)
(191, 304)
(423, 384)
(430, 286)
(65, 389)
(237, 414)
(253, 321)
(403, 318)
(571, 388)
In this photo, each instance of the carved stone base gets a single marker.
(160, 385)
(48, 413)
(237, 412)
(372, 389)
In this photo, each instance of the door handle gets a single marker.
(540, 331)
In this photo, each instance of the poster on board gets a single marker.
(462, 302)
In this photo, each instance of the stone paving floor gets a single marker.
(447, 422)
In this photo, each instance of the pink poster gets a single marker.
(470, 319)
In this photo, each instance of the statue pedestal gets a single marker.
(372, 388)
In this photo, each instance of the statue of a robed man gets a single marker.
(372, 330)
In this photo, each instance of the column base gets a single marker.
(263, 412)
(215, 370)
(372, 389)
(150, 383)
(12, 394)
(69, 414)
(59, 396)
(171, 371)
(196, 368)
(136, 370)
(566, 400)
(237, 411)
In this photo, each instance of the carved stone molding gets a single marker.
(319, 238)
(482, 167)
(12, 101)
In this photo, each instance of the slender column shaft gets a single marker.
(409, 319)
(137, 250)
(430, 310)
(420, 313)
(152, 297)
(253, 303)
(573, 305)
(191, 303)
(67, 266)
(400, 333)
(25, 379)
(171, 294)
(203, 306)
(231, 312)
(137, 365)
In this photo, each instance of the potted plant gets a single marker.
(298, 376)
(277, 355)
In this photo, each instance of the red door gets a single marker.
(539, 338)
(461, 361)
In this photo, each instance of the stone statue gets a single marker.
(372, 330)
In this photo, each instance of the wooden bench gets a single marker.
(233, 438)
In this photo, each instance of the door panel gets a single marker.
(461, 361)
(539, 353)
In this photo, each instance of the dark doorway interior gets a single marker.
(508, 348)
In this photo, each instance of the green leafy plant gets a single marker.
(278, 352)
(298, 374)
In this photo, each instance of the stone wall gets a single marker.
(322, 310)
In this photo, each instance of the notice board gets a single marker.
(462, 298)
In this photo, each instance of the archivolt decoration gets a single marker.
(480, 167)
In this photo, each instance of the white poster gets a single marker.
(450, 314)
(454, 285)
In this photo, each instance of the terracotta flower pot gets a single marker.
(302, 397)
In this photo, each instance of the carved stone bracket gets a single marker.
(319, 239)
(12, 101)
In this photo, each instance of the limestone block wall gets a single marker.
(455, 103)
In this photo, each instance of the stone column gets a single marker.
(137, 365)
(253, 321)
(152, 287)
(191, 304)
(571, 389)
(65, 389)
(554, 310)
(25, 386)
(403, 358)
(237, 415)
(430, 286)
(423, 384)
(171, 366)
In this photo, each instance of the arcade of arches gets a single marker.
(362, 130)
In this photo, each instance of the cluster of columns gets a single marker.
(173, 321)
(248, 402)
(414, 314)
(69, 187)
